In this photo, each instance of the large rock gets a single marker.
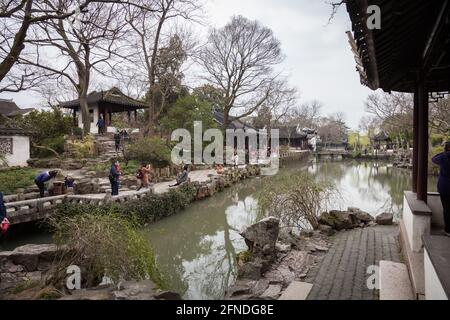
(362, 216)
(261, 238)
(29, 256)
(385, 219)
(251, 270)
(339, 220)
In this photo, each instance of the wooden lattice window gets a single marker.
(6, 146)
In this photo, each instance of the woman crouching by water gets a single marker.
(443, 161)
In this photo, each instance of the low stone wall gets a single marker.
(25, 264)
(231, 176)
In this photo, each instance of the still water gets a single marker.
(196, 248)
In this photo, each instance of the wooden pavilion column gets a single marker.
(75, 124)
(129, 118)
(415, 158)
(422, 164)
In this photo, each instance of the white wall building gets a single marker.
(15, 146)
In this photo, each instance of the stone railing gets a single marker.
(95, 200)
(31, 210)
(36, 209)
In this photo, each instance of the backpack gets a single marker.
(139, 174)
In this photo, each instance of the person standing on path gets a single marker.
(101, 125)
(114, 177)
(143, 175)
(42, 178)
(117, 139)
(443, 161)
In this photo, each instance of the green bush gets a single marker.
(152, 150)
(437, 140)
(102, 243)
(46, 127)
(12, 179)
(146, 210)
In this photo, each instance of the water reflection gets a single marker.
(196, 249)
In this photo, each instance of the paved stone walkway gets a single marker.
(342, 272)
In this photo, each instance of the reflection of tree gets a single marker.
(196, 246)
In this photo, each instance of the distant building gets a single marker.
(14, 145)
(293, 137)
(233, 124)
(9, 109)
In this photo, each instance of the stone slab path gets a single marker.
(342, 274)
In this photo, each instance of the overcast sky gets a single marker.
(318, 57)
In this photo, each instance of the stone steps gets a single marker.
(394, 281)
(296, 291)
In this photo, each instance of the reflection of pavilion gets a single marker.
(105, 103)
(411, 53)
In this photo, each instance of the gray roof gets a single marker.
(113, 95)
(7, 131)
(7, 106)
(234, 123)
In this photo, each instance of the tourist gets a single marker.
(114, 177)
(219, 169)
(117, 138)
(235, 159)
(69, 184)
(43, 178)
(101, 125)
(443, 161)
(143, 175)
(4, 223)
(182, 177)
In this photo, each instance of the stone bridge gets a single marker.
(36, 209)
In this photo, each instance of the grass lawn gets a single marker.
(11, 180)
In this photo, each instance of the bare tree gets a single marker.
(395, 112)
(158, 53)
(17, 17)
(307, 115)
(239, 59)
(440, 116)
(82, 47)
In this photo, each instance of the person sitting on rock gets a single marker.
(43, 178)
(182, 177)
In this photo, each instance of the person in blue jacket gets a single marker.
(114, 178)
(42, 178)
(2, 208)
(443, 161)
(101, 125)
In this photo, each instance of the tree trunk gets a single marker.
(18, 44)
(151, 124)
